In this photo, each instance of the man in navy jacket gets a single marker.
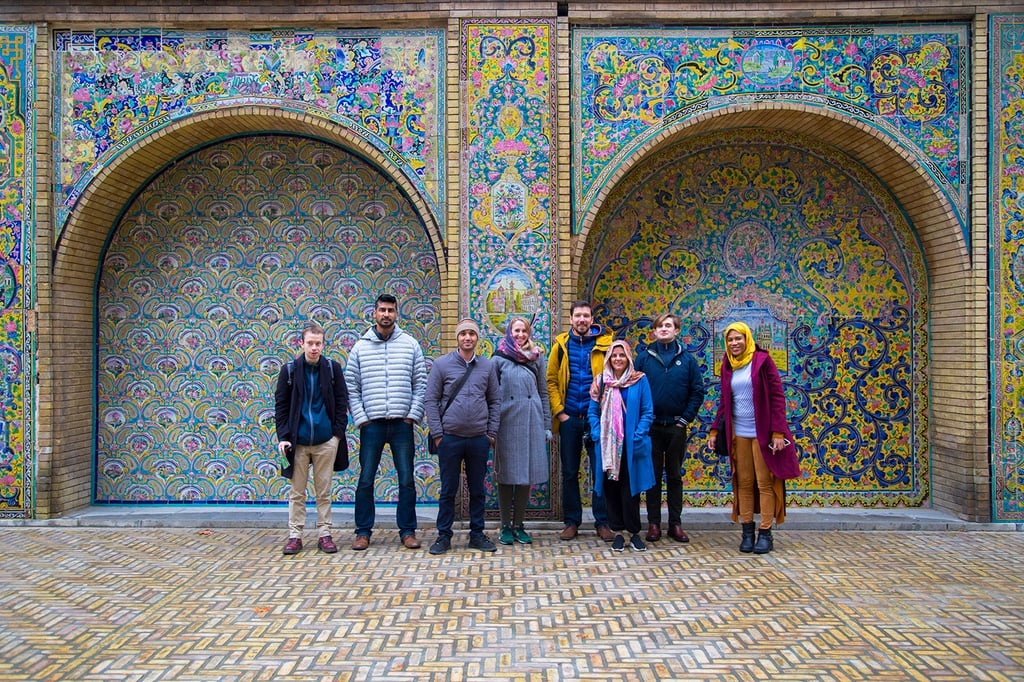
(677, 387)
(311, 414)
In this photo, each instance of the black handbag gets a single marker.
(431, 439)
(721, 447)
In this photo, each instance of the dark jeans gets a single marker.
(668, 447)
(570, 435)
(623, 507)
(372, 437)
(452, 453)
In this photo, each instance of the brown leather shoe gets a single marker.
(676, 532)
(606, 533)
(361, 542)
(569, 532)
(326, 545)
(293, 546)
(409, 541)
(653, 532)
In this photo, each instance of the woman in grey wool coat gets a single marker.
(520, 450)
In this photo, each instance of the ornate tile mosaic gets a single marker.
(116, 86)
(1006, 204)
(909, 82)
(508, 244)
(805, 245)
(211, 273)
(17, 269)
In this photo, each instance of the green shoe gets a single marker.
(521, 535)
(507, 537)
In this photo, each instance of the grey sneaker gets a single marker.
(619, 543)
(441, 545)
(637, 544)
(481, 542)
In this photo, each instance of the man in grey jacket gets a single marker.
(386, 377)
(463, 406)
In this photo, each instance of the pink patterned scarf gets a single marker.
(607, 390)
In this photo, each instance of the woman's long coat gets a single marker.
(520, 450)
(637, 441)
(769, 418)
(769, 413)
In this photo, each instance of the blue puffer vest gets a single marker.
(577, 393)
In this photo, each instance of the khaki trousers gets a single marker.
(752, 473)
(321, 458)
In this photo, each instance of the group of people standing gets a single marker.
(634, 418)
(631, 414)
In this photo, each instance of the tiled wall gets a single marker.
(439, 107)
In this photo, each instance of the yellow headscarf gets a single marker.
(748, 352)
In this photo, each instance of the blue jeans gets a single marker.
(570, 435)
(373, 436)
(452, 452)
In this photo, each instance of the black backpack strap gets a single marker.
(290, 367)
(458, 387)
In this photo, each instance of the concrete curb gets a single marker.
(702, 519)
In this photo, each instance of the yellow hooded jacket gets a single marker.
(558, 369)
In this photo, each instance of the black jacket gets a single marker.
(288, 404)
(678, 388)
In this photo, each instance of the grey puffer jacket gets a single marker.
(386, 379)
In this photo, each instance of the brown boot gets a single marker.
(653, 532)
(676, 532)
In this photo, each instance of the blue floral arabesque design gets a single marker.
(765, 226)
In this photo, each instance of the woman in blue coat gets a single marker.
(621, 413)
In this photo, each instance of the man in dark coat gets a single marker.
(311, 412)
(678, 390)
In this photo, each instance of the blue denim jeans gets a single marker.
(452, 453)
(570, 447)
(373, 436)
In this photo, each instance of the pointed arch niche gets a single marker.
(73, 369)
(716, 217)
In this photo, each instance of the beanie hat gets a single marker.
(467, 325)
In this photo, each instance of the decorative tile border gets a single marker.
(115, 86)
(508, 152)
(17, 268)
(1006, 269)
(906, 81)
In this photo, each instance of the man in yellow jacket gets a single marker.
(576, 357)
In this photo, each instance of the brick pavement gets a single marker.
(224, 604)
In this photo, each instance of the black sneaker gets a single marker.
(619, 543)
(441, 545)
(636, 544)
(481, 542)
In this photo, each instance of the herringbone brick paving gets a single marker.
(180, 604)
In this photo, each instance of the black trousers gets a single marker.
(668, 448)
(623, 508)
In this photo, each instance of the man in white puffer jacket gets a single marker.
(386, 378)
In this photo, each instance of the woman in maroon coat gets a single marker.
(752, 410)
